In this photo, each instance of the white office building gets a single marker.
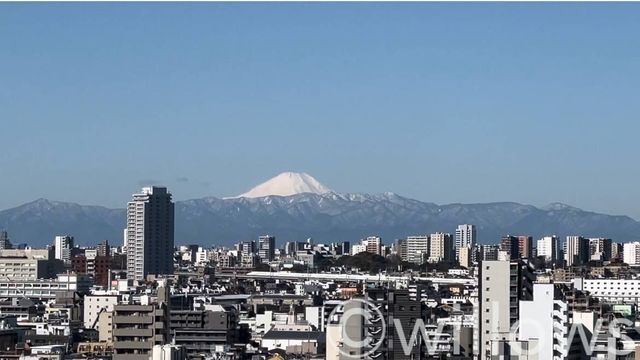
(501, 285)
(600, 249)
(440, 247)
(611, 290)
(489, 252)
(631, 253)
(373, 244)
(549, 247)
(551, 331)
(494, 319)
(358, 248)
(63, 245)
(417, 248)
(577, 250)
(465, 237)
(96, 304)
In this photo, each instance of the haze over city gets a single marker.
(445, 103)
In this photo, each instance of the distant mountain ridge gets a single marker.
(325, 217)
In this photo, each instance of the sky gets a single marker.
(528, 102)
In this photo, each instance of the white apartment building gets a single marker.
(465, 237)
(440, 247)
(631, 253)
(489, 252)
(549, 247)
(417, 248)
(494, 317)
(63, 245)
(600, 249)
(577, 252)
(96, 304)
(373, 244)
(202, 256)
(465, 257)
(358, 248)
(611, 290)
(45, 288)
(551, 332)
(29, 253)
(26, 269)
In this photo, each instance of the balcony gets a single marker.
(134, 308)
(133, 332)
(132, 345)
(138, 320)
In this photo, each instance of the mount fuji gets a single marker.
(295, 206)
(287, 184)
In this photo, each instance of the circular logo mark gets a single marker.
(362, 328)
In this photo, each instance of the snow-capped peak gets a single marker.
(286, 184)
(558, 206)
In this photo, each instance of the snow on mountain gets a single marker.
(558, 206)
(287, 184)
(295, 207)
(326, 217)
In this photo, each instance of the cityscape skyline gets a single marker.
(476, 194)
(508, 102)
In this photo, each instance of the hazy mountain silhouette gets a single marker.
(325, 217)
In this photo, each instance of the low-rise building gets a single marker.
(137, 328)
(45, 288)
(94, 305)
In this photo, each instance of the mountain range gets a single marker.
(294, 207)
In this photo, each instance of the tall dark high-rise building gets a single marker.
(511, 245)
(267, 247)
(150, 233)
(616, 251)
(345, 248)
(103, 248)
(395, 307)
(247, 247)
(600, 249)
(577, 251)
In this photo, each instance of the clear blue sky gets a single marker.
(532, 103)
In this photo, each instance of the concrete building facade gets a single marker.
(501, 285)
(417, 248)
(466, 236)
(150, 232)
(577, 251)
(441, 247)
(63, 245)
(631, 253)
(266, 248)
